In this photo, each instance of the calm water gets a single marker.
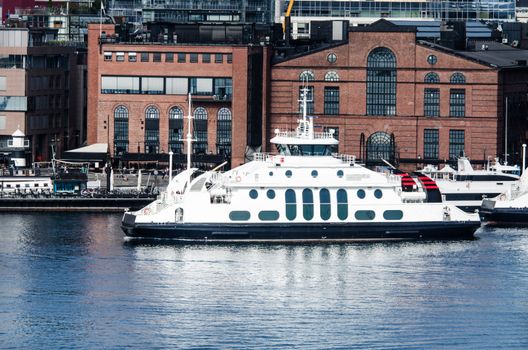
(71, 281)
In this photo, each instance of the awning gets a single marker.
(93, 153)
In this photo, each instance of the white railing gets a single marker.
(346, 158)
(261, 157)
(316, 135)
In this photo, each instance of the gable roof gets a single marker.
(384, 26)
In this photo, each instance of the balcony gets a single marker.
(211, 98)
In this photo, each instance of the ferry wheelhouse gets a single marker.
(306, 192)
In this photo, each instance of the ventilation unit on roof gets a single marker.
(504, 40)
(515, 43)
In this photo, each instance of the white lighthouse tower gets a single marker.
(17, 147)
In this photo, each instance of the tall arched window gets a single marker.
(152, 130)
(120, 130)
(200, 131)
(380, 145)
(176, 129)
(432, 78)
(223, 132)
(307, 76)
(331, 76)
(458, 78)
(381, 82)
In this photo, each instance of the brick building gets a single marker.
(41, 91)
(138, 94)
(391, 96)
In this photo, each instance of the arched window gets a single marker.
(307, 76)
(120, 130)
(200, 131)
(331, 76)
(176, 130)
(152, 130)
(381, 82)
(458, 78)
(380, 145)
(223, 132)
(432, 78)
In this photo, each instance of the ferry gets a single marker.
(467, 187)
(510, 207)
(304, 193)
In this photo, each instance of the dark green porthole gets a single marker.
(239, 215)
(325, 205)
(270, 173)
(340, 173)
(270, 194)
(291, 204)
(268, 215)
(361, 194)
(253, 194)
(289, 173)
(392, 214)
(314, 173)
(365, 215)
(342, 204)
(378, 194)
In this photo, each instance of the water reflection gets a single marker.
(70, 280)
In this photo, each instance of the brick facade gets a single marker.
(101, 106)
(483, 96)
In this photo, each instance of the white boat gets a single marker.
(466, 187)
(510, 206)
(304, 193)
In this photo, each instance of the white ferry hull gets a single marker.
(301, 232)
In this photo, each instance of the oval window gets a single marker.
(314, 173)
(365, 215)
(361, 194)
(253, 194)
(270, 194)
(340, 173)
(268, 215)
(392, 214)
(378, 194)
(239, 215)
(291, 204)
(288, 173)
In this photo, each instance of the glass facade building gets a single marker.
(359, 11)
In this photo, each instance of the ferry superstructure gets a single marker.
(467, 187)
(304, 193)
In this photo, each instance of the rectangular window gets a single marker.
(3, 83)
(107, 56)
(201, 86)
(457, 103)
(176, 86)
(456, 143)
(206, 58)
(223, 88)
(431, 144)
(132, 57)
(119, 85)
(193, 58)
(219, 58)
(120, 56)
(144, 57)
(181, 58)
(229, 58)
(431, 102)
(169, 57)
(331, 100)
(152, 86)
(2, 122)
(309, 100)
